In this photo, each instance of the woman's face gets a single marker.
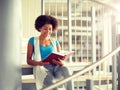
(46, 30)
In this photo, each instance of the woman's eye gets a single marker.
(50, 29)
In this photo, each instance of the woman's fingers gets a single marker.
(57, 62)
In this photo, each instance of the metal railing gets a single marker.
(89, 68)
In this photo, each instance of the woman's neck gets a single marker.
(43, 38)
(44, 41)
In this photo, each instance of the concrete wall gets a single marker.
(10, 28)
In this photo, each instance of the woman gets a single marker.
(46, 25)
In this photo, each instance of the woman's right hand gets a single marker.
(43, 63)
(57, 62)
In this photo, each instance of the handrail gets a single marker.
(88, 68)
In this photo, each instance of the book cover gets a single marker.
(63, 55)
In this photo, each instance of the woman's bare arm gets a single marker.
(30, 61)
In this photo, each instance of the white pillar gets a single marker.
(10, 28)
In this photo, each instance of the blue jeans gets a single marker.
(57, 72)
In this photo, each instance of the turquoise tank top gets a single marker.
(45, 50)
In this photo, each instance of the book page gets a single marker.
(63, 53)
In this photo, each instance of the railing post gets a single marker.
(69, 26)
(89, 84)
(93, 37)
(114, 62)
(42, 7)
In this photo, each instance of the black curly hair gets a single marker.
(46, 19)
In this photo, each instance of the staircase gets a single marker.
(28, 81)
(87, 78)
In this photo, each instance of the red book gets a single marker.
(63, 55)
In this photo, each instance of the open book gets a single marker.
(63, 55)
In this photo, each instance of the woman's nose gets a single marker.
(48, 30)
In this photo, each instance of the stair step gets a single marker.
(28, 79)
